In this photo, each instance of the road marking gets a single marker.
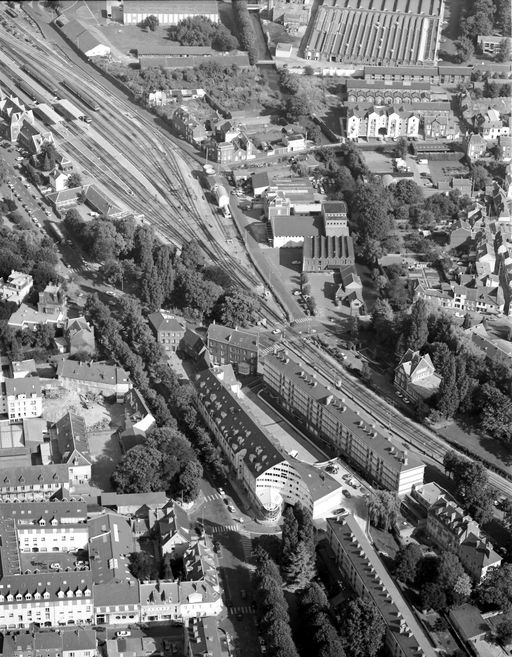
(240, 610)
(223, 530)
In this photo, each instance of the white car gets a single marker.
(231, 508)
(221, 491)
(55, 566)
(123, 633)
(276, 331)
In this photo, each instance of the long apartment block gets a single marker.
(325, 414)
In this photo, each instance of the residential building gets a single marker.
(66, 642)
(461, 233)
(202, 635)
(444, 75)
(475, 146)
(505, 143)
(58, 180)
(344, 33)
(233, 346)
(320, 253)
(23, 368)
(260, 182)
(187, 127)
(361, 567)
(79, 336)
(451, 529)
(47, 526)
(268, 477)
(108, 380)
(136, 504)
(324, 414)
(133, 12)
(32, 139)
(34, 483)
(14, 114)
(379, 92)
(168, 328)
(490, 125)
(491, 45)
(415, 376)
(70, 446)
(497, 349)
(174, 531)
(130, 646)
(480, 299)
(21, 398)
(350, 291)
(65, 199)
(17, 286)
(193, 346)
(51, 309)
(137, 420)
(374, 122)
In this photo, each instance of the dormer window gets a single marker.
(42, 522)
(87, 593)
(46, 595)
(69, 593)
(37, 595)
(78, 593)
(19, 597)
(28, 596)
(10, 597)
(60, 594)
(54, 522)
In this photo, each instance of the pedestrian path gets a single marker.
(225, 529)
(240, 610)
(212, 497)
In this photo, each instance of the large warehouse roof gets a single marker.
(379, 32)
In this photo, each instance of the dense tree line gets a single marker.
(495, 591)
(201, 31)
(473, 386)
(272, 609)
(440, 580)
(130, 254)
(130, 343)
(362, 628)
(245, 29)
(319, 636)
(165, 461)
(298, 555)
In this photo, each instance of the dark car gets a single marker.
(346, 493)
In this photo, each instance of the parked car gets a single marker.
(231, 508)
(221, 491)
(120, 633)
(346, 493)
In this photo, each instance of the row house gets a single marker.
(491, 125)
(378, 93)
(444, 75)
(228, 346)
(34, 483)
(68, 642)
(379, 122)
(70, 445)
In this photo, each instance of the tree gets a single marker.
(298, 548)
(495, 591)
(138, 471)
(151, 22)
(383, 509)
(466, 324)
(362, 629)
(289, 81)
(383, 322)
(465, 49)
(236, 308)
(407, 561)
(371, 211)
(495, 413)
(417, 329)
(297, 107)
(407, 191)
(245, 29)
(433, 596)
(401, 147)
(462, 588)
(142, 566)
(192, 255)
(74, 180)
(189, 480)
(503, 54)
(503, 632)
(480, 176)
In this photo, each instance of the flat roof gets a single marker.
(380, 445)
(297, 225)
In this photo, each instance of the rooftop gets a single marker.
(245, 437)
(320, 246)
(29, 385)
(164, 321)
(304, 378)
(381, 588)
(297, 225)
(469, 621)
(94, 372)
(235, 337)
(71, 443)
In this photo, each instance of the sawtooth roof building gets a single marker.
(378, 32)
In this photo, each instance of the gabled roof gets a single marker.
(241, 433)
(164, 321)
(94, 372)
(70, 434)
(234, 336)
